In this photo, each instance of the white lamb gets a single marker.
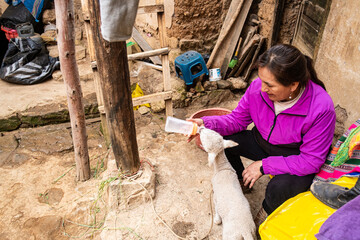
(231, 206)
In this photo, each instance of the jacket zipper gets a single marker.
(272, 127)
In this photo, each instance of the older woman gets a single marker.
(294, 122)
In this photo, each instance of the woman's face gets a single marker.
(275, 90)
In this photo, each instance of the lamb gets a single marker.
(231, 206)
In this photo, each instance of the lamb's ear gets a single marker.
(211, 158)
(229, 144)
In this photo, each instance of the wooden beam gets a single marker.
(144, 45)
(165, 59)
(64, 11)
(151, 9)
(152, 98)
(112, 64)
(92, 54)
(157, 67)
(250, 68)
(151, 53)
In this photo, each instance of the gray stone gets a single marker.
(237, 83)
(190, 44)
(219, 96)
(49, 139)
(143, 110)
(199, 87)
(9, 156)
(157, 106)
(126, 193)
(210, 86)
(49, 16)
(80, 51)
(223, 84)
(189, 94)
(53, 50)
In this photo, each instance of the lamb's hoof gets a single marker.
(217, 220)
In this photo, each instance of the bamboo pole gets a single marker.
(64, 10)
(112, 64)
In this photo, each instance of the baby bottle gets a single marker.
(181, 126)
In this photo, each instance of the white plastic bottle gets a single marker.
(181, 126)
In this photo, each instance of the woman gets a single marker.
(294, 122)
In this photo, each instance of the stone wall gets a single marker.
(338, 59)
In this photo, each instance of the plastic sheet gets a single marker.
(299, 217)
(137, 92)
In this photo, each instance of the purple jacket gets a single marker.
(311, 122)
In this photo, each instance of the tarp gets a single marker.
(27, 62)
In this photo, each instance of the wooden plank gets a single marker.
(245, 50)
(277, 17)
(165, 59)
(150, 9)
(92, 54)
(250, 68)
(151, 53)
(244, 63)
(152, 98)
(157, 67)
(144, 45)
(215, 61)
(231, 43)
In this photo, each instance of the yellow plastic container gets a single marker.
(300, 217)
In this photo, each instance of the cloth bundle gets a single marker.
(117, 19)
(344, 158)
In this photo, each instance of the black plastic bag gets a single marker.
(27, 62)
(18, 14)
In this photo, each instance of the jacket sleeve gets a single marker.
(313, 150)
(236, 121)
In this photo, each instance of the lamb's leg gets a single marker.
(217, 218)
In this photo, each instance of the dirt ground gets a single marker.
(40, 198)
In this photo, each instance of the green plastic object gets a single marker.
(232, 63)
(130, 44)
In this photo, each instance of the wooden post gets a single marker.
(64, 10)
(112, 64)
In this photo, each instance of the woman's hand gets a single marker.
(199, 122)
(252, 173)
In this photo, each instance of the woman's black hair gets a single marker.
(289, 65)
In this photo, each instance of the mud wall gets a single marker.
(338, 59)
(196, 25)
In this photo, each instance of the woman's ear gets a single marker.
(294, 86)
